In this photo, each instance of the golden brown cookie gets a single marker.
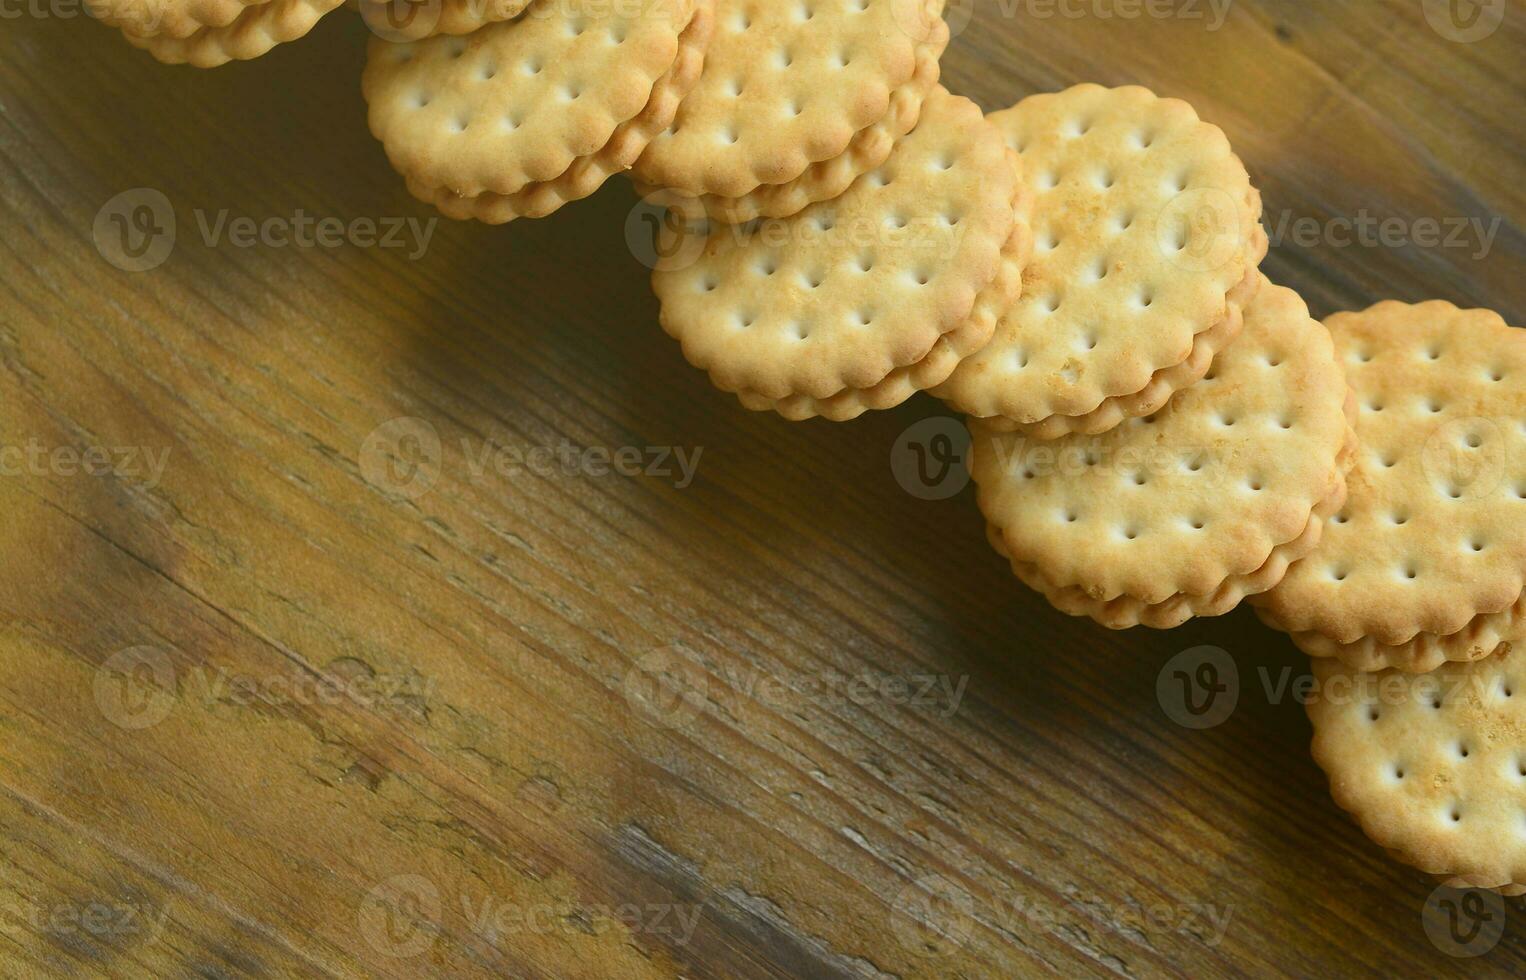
(1433, 766)
(522, 116)
(167, 18)
(1426, 562)
(859, 301)
(1147, 239)
(797, 100)
(413, 20)
(251, 33)
(1186, 512)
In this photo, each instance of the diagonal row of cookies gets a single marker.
(1129, 256)
(1159, 432)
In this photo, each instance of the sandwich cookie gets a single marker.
(858, 302)
(1426, 562)
(797, 100)
(522, 116)
(1432, 766)
(1186, 512)
(1147, 239)
(253, 30)
(412, 20)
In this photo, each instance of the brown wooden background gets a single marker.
(493, 749)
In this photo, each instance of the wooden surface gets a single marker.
(405, 728)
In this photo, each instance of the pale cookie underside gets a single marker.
(852, 289)
(1183, 501)
(249, 35)
(1434, 531)
(520, 102)
(1484, 636)
(1431, 765)
(1145, 223)
(589, 173)
(414, 20)
(827, 179)
(788, 86)
(939, 362)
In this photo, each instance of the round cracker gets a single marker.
(525, 103)
(848, 291)
(791, 85)
(939, 363)
(252, 33)
(825, 180)
(1186, 512)
(1145, 227)
(1431, 766)
(1433, 535)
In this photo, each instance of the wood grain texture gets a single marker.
(409, 733)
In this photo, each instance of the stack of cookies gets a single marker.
(523, 116)
(797, 102)
(858, 302)
(1414, 605)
